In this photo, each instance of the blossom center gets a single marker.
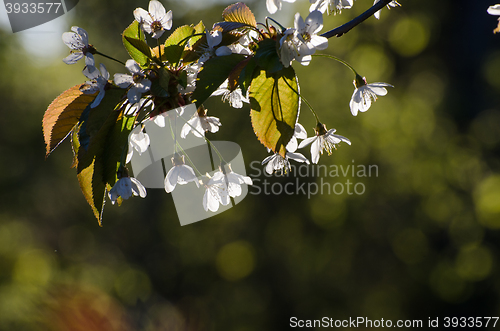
(137, 78)
(156, 26)
(306, 36)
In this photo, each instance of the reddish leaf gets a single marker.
(62, 115)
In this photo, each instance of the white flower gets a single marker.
(140, 142)
(235, 97)
(332, 6)
(97, 83)
(160, 118)
(274, 5)
(234, 182)
(495, 10)
(192, 71)
(200, 123)
(393, 3)
(302, 41)
(180, 174)
(78, 42)
(276, 162)
(361, 99)
(307, 31)
(299, 133)
(292, 48)
(216, 192)
(125, 187)
(137, 81)
(214, 38)
(156, 21)
(323, 140)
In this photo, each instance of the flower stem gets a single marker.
(109, 57)
(339, 60)
(270, 18)
(159, 51)
(343, 29)
(305, 101)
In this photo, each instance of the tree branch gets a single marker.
(341, 30)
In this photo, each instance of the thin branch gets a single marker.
(343, 29)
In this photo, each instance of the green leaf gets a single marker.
(62, 115)
(192, 53)
(180, 34)
(215, 71)
(160, 87)
(274, 104)
(173, 50)
(140, 45)
(134, 32)
(267, 56)
(239, 13)
(116, 148)
(247, 74)
(93, 163)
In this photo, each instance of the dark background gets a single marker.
(421, 242)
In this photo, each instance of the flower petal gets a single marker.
(73, 58)
(123, 80)
(171, 179)
(138, 188)
(273, 6)
(315, 150)
(297, 157)
(132, 66)
(494, 10)
(307, 141)
(141, 15)
(156, 10)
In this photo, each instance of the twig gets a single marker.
(343, 29)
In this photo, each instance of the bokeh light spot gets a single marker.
(235, 260)
(487, 201)
(474, 262)
(410, 36)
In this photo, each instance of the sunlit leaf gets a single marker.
(192, 53)
(175, 44)
(240, 13)
(274, 108)
(62, 115)
(139, 45)
(134, 32)
(229, 26)
(182, 33)
(95, 163)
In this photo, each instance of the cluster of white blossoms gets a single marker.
(302, 41)
(299, 44)
(322, 140)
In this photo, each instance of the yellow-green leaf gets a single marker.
(62, 115)
(239, 13)
(275, 108)
(134, 32)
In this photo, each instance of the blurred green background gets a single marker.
(421, 242)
